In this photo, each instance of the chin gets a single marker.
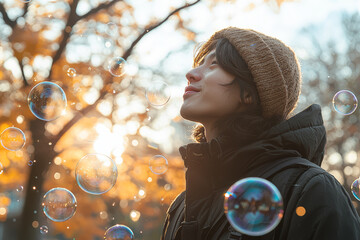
(186, 114)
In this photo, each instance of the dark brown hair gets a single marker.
(244, 126)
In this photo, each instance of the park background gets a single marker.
(41, 39)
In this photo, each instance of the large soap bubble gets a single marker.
(59, 204)
(158, 93)
(158, 164)
(355, 189)
(117, 66)
(12, 139)
(47, 101)
(96, 173)
(253, 206)
(345, 102)
(119, 232)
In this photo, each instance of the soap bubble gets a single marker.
(253, 206)
(117, 66)
(158, 164)
(345, 102)
(12, 139)
(44, 229)
(47, 101)
(59, 204)
(111, 29)
(158, 93)
(119, 232)
(96, 173)
(71, 72)
(355, 189)
(20, 189)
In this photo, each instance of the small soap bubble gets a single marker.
(47, 101)
(71, 72)
(1, 168)
(345, 102)
(355, 189)
(158, 93)
(20, 189)
(30, 163)
(158, 164)
(12, 139)
(253, 206)
(59, 204)
(96, 173)
(44, 229)
(119, 232)
(111, 29)
(117, 66)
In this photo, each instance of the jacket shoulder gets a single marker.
(177, 202)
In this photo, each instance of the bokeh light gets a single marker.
(71, 72)
(355, 189)
(158, 93)
(47, 101)
(96, 173)
(119, 232)
(158, 164)
(117, 66)
(111, 29)
(12, 139)
(59, 204)
(345, 102)
(1, 168)
(253, 206)
(300, 211)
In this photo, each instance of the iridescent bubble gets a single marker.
(71, 72)
(253, 206)
(30, 163)
(12, 139)
(96, 173)
(20, 189)
(44, 229)
(111, 29)
(158, 164)
(117, 66)
(345, 102)
(59, 204)
(355, 189)
(119, 232)
(1, 168)
(158, 94)
(47, 101)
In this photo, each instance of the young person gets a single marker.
(242, 90)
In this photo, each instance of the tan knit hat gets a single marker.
(273, 65)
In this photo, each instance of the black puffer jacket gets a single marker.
(213, 167)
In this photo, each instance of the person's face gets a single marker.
(210, 100)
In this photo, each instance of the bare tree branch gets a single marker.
(146, 31)
(6, 18)
(97, 9)
(23, 73)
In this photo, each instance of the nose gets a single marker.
(193, 75)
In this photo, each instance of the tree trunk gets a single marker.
(43, 154)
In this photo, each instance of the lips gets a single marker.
(190, 90)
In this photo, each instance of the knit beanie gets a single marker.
(273, 65)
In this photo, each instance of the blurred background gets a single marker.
(107, 56)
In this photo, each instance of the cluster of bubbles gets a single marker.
(345, 102)
(96, 173)
(119, 232)
(253, 206)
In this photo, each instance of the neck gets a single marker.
(210, 132)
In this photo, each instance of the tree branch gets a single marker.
(146, 31)
(6, 18)
(23, 73)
